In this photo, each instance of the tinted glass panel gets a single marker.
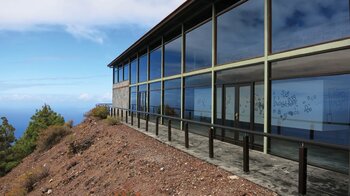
(133, 94)
(120, 72)
(218, 110)
(172, 84)
(172, 57)
(155, 64)
(142, 98)
(133, 70)
(300, 23)
(126, 71)
(321, 64)
(154, 98)
(198, 101)
(198, 47)
(172, 97)
(143, 68)
(240, 75)
(155, 86)
(259, 112)
(240, 32)
(315, 108)
(198, 80)
(115, 75)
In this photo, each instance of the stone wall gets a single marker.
(121, 94)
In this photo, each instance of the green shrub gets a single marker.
(110, 120)
(51, 136)
(100, 112)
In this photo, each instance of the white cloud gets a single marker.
(82, 18)
(85, 33)
(106, 97)
(84, 97)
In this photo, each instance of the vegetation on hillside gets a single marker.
(100, 112)
(12, 152)
(7, 137)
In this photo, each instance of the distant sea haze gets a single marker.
(19, 118)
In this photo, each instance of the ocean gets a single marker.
(19, 118)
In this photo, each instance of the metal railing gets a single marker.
(302, 149)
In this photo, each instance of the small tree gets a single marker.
(7, 137)
(40, 121)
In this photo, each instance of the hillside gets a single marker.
(98, 159)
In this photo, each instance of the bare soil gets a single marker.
(116, 159)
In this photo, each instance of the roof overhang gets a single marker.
(178, 16)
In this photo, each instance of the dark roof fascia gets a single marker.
(154, 30)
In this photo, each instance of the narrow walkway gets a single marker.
(277, 174)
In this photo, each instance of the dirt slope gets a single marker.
(122, 159)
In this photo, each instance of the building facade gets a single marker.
(273, 66)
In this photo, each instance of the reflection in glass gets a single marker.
(120, 72)
(230, 97)
(198, 101)
(241, 75)
(240, 32)
(115, 75)
(133, 95)
(218, 109)
(142, 99)
(300, 23)
(198, 47)
(172, 57)
(133, 70)
(155, 64)
(154, 97)
(259, 112)
(244, 104)
(172, 99)
(143, 68)
(315, 108)
(126, 71)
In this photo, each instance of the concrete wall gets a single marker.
(121, 94)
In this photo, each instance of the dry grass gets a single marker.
(51, 136)
(110, 120)
(26, 182)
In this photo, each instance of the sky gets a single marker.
(56, 51)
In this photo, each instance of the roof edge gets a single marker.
(153, 30)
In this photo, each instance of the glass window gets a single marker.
(240, 32)
(198, 101)
(172, 97)
(241, 75)
(133, 70)
(115, 75)
(142, 99)
(155, 63)
(172, 57)
(300, 23)
(155, 98)
(143, 68)
(120, 73)
(126, 71)
(307, 103)
(198, 47)
(133, 95)
(322, 64)
(315, 108)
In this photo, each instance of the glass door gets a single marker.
(229, 111)
(237, 110)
